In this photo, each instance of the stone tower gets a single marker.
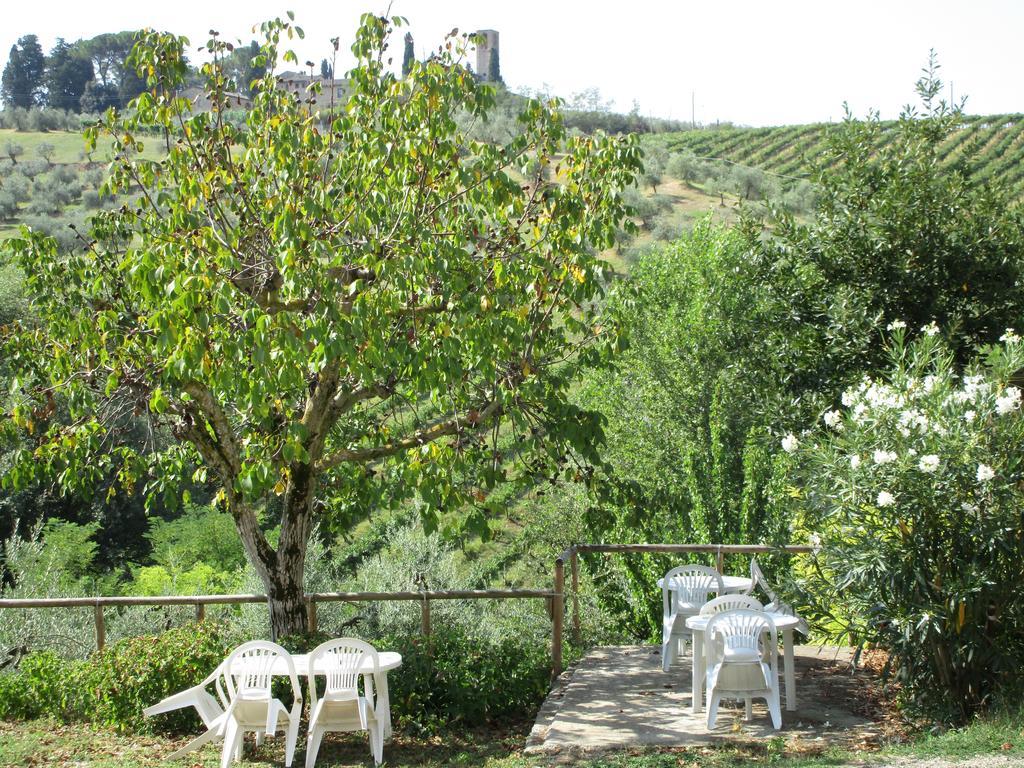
(488, 42)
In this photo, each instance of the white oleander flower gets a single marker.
(985, 473)
(1010, 401)
(815, 541)
(970, 416)
(854, 461)
(1010, 337)
(930, 330)
(885, 499)
(928, 463)
(896, 325)
(833, 419)
(884, 457)
(790, 443)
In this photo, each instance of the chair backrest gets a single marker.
(758, 580)
(691, 585)
(730, 603)
(249, 669)
(342, 661)
(733, 632)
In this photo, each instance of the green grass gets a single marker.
(69, 147)
(45, 743)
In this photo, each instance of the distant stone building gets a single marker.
(486, 61)
(332, 90)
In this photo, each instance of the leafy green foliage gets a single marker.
(352, 307)
(906, 239)
(915, 492)
(455, 676)
(113, 686)
(689, 405)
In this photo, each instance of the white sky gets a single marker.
(753, 62)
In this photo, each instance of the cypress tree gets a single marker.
(409, 57)
(493, 68)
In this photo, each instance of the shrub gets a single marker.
(8, 206)
(41, 686)
(916, 492)
(13, 150)
(32, 168)
(117, 683)
(17, 186)
(456, 677)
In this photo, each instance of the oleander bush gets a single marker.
(915, 488)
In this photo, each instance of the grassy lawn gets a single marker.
(45, 743)
(69, 146)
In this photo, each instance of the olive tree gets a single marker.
(317, 312)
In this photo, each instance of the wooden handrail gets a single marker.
(571, 553)
(554, 596)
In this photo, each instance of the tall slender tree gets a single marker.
(22, 81)
(409, 57)
(494, 67)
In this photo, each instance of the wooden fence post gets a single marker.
(425, 617)
(101, 630)
(720, 560)
(200, 611)
(574, 564)
(557, 611)
(311, 614)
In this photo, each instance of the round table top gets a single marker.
(387, 660)
(781, 621)
(732, 584)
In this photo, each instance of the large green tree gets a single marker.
(326, 312)
(22, 80)
(68, 71)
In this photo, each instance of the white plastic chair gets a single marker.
(342, 708)
(775, 605)
(209, 708)
(730, 603)
(735, 645)
(683, 591)
(248, 676)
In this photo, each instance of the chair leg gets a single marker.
(316, 735)
(232, 741)
(774, 708)
(714, 697)
(291, 736)
(376, 734)
(668, 653)
(260, 733)
(750, 708)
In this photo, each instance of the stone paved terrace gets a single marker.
(618, 697)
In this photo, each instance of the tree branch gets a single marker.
(452, 426)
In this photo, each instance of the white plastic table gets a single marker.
(784, 624)
(732, 584)
(387, 660)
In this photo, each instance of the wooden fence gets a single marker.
(555, 597)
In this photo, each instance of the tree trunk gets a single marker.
(286, 598)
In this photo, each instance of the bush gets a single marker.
(455, 677)
(41, 686)
(8, 206)
(916, 492)
(117, 683)
(112, 687)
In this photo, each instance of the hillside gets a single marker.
(789, 150)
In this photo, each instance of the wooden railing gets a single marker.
(555, 597)
(571, 555)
